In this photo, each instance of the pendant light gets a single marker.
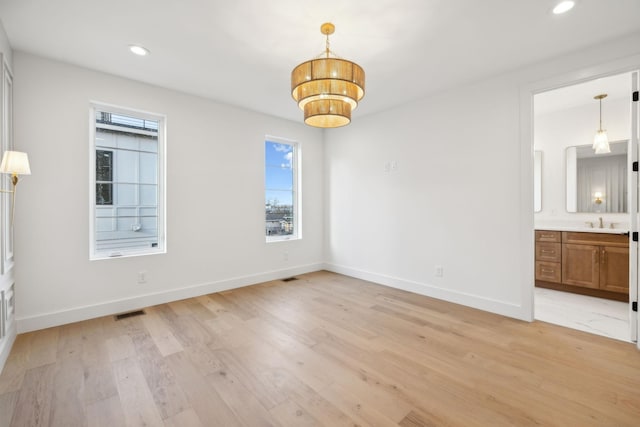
(327, 88)
(601, 140)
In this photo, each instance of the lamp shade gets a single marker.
(601, 142)
(327, 113)
(15, 163)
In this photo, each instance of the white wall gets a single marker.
(5, 47)
(556, 131)
(452, 201)
(215, 198)
(462, 194)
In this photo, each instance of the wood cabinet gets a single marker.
(581, 265)
(548, 236)
(548, 271)
(589, 263)
(548, 256)
(614, 269)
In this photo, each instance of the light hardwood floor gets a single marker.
(323, 350)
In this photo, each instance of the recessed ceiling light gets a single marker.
(563, 6)
(138, 50)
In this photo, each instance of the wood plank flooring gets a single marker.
(325, 350)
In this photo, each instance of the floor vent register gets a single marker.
(129, 314)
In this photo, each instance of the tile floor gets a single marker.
(596, 315)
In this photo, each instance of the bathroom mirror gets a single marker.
(597, 182)
(537, 181)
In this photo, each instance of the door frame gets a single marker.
(634, 188)
(527, 93)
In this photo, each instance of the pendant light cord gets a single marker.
(600, 114)
(600, 98)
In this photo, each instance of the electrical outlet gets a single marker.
(439, 271)
(142, 277)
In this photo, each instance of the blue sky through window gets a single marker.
(279, 173)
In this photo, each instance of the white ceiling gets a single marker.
(616, 87)
(241, 52)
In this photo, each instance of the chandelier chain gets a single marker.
(327, 46)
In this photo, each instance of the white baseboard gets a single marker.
(487, 304)
(47, 320)
(8, 344)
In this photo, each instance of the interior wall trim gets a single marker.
(6, 348)
(482, 303)
(108, 308)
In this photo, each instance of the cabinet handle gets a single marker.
(544, 270)
(593, 255)
(547, 236)
(547, 251)
(604, 257)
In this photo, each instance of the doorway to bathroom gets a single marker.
(586, 204)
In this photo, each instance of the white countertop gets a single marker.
(583, 229)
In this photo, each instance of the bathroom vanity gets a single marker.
(590, 263)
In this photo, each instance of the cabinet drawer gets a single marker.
(581, 238)
(548, 271)
(548, 252)
(548, 236)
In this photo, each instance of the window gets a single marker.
(282, 199)
(104, 177)
(127, 189)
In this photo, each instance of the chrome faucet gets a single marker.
(601, 225)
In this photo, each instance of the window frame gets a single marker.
(296, 168)
(161, 247)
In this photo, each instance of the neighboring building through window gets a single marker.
(282, 199)
(128, 183)
(104, 177)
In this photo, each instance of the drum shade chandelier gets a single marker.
(327, 88)
(601, 140)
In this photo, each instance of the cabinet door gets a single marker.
(614, 269)
(580, 265)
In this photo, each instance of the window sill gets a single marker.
(273, 239)
(116, 255)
